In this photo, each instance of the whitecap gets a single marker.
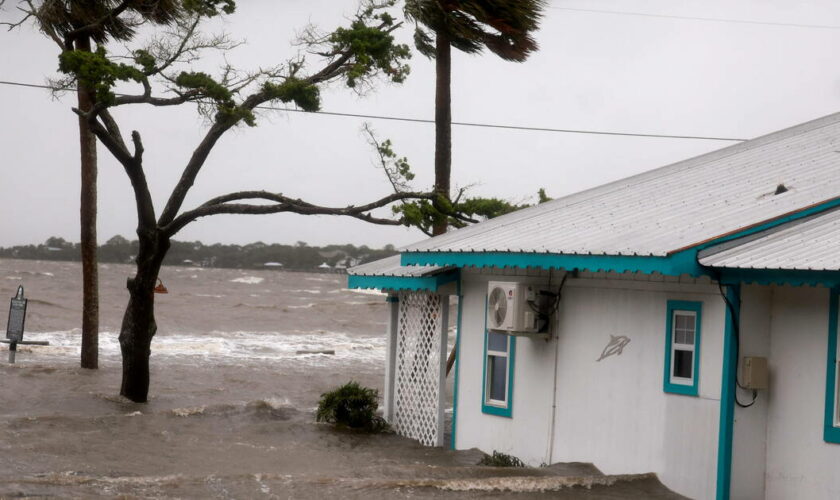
(249, 280)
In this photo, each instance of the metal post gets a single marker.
(391, 359)
(12, 352)
(444, 339)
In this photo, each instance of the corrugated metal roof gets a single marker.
(672, 207)
(812, 244)
(390, 266)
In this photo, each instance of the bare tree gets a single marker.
(356, 55)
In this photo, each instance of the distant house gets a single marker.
(273, 264)
(681, 321)
(324, 265)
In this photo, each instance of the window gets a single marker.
(499, 356)
(682, 347)
(832, 386)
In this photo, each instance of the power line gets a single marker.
(695, 18)
(462, 124)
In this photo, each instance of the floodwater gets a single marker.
(231, 410)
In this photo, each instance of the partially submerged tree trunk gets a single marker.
(87, 222)
(443, 123)
(138, 326)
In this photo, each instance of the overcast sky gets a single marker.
(594, 71)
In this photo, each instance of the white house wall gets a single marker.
(799, 463)
(612, 413)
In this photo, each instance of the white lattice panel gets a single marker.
(418, 362)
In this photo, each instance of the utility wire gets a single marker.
(695, 18)
(463, 124)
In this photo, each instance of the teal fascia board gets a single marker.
(798, 277)
(697, 308)
(673, 265)
(399, 283)
(727, 395)
(831, 432)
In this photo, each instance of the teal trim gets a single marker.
(507, 411)
(727, 394)
(827, 279)
(696, 308)
(430, 283)
(831, 432)
(457, 366)
(673, 265)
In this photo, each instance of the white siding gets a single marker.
(799, 463)
(613, 413)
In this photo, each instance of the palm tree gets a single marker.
(502, 26)
(74, 25)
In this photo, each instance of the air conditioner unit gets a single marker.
(510, 307)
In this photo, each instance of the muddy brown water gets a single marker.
(231, 410)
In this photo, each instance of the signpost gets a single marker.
(14, 327)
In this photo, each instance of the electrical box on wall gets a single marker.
(754, 373)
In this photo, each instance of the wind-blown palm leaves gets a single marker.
(502, 26)
(103, 20)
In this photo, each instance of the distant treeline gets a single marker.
(252, 256)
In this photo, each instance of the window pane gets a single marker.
(497, 342)
(497, 366)
(683, 321)
(683, 363)
(689, 337)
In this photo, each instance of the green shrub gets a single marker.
(499, 459)
(353, 406)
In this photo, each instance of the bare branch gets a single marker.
(112, 127)
(138, 147)
(132, 164)
(222, 205)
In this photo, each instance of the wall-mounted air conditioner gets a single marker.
(511, 307)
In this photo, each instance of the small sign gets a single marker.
(17, 317)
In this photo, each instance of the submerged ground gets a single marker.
(231, 413)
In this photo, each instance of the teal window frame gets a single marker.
(486, 406)
(832, 401)
(675, 387)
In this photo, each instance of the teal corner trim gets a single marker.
(697, 308)
(490, 409)
(430, 283)
(831, 432)
(727, 395)
(684, 262)
(458, 354)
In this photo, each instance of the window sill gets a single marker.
(497, 411)
(683, 390)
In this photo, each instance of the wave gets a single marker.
(248, 280)
(240, 346)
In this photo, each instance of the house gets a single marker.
(681, 321)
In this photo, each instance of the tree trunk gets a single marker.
(443, 123)
(138, 326)
(87, 222)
